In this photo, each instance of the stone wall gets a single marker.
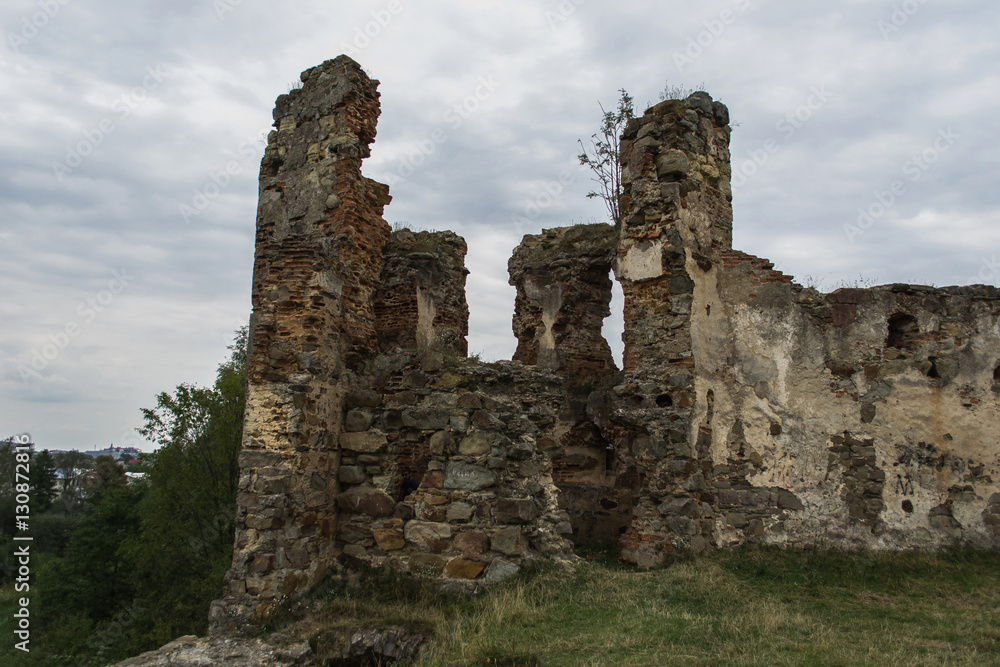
(420, 302)
(749, 410)
(563, 295)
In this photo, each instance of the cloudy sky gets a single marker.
(132, 131)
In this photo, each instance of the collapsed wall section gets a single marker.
(318, 258)
(563, 296)
(420, 302)
(676, 200)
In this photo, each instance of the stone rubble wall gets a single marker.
(443, 472)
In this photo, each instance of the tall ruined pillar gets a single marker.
(421, 302)
(563, 295)
(676, 206)
(320, 235)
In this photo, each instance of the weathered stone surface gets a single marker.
(191, 651)
(363, 398)
(511, 510)
(389, 540)
(476, 444)
(563, 296)
(499, 570)
(467, 477)
(362, 442)
(366, 500)
(508, 541)
(471, 542)
(352, 474)
(309, 285)
(463, 568)
(428, 535)
(357, 420)
(421, 301)
(460, 512)
(427, 564)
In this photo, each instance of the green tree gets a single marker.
(603, 157)
(42, 478)
(72, 464)
(188, 517)
(109, 475)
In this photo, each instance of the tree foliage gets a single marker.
(603, 156)
(141, 561)
(42, 478)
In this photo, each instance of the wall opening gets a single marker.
(903, 331)
(613, 328)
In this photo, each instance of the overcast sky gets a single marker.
(126, 248)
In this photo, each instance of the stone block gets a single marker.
(357, 420)
(388, 539)
(671, 162)
(368, 442)
(425, 419)
(463, 568)
(363, 398)
(500, 569)
(460, 512)
(428, 535)
(427, 564)
(471, 542)
(297, 558)
(352, 474)
(440, 443)
(508, 541)
(366, 500)
(512, 510)
(475, 444)
(467, 477)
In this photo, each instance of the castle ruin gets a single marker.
(749, 409)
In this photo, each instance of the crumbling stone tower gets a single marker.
(319, 244)
(676, 212)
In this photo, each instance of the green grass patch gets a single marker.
(768, 607)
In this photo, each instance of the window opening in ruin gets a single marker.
(996, 374)
(932, 372)
(613, 327)
(902, 331)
